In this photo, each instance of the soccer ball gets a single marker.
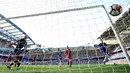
(115, 10)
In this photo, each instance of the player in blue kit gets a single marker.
(104, 49)
(59, 58)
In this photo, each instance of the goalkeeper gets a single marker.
(19, 52)
(103, 48)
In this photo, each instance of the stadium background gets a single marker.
(81, 51)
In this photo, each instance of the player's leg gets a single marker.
(19, 59)
(18, 65)
(105, 57)
(61, 63)
(12, 63)
(104, 61)
(109, 57)
(15, 65)
(15, 51)
(67, 59)
(9, 66)
(70, 62)
(57, 60)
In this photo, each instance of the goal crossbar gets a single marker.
(53, 12)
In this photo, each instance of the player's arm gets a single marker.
(105, 44)
(65, 54)
(25, 48)
(99, 51)
(12, 43)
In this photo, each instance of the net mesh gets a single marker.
(58, 24)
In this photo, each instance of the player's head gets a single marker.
(58, 49)
(67, 47)
(11, 52)
(25, 37)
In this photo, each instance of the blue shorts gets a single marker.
(109, 54)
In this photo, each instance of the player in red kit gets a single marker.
(34, 60)
(10, 57)
(68, 56)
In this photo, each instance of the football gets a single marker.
(116, 10)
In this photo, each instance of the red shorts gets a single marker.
(69, 57)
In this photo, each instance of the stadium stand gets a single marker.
(9, 32)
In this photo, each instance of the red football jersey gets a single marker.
(10, 56)
(68, 53)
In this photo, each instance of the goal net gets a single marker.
(99, 43)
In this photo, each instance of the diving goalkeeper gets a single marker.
(104, 49)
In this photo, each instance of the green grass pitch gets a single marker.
(91, 68)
